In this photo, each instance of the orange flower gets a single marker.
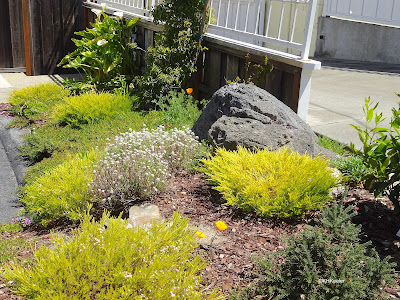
(189, 90)
(221, 225)
(200, 235)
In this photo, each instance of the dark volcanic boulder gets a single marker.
(242, 114)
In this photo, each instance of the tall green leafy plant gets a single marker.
(105, 51)
(173, 59)
(381, 152)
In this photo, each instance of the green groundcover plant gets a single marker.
(36, 102)
(108, 260)
(283, 183)
(323, 262)
(51, 139)
(381, 152)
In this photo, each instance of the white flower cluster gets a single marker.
(138, 164)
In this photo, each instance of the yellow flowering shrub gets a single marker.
(107, 260)
(282, 183)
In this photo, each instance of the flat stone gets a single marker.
(142, 215)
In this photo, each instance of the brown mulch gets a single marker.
(230, 263)
(5, 110)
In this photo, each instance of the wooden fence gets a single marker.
(37, 33)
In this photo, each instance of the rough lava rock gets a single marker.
(246, 115)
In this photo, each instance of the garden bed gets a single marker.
(247, 235)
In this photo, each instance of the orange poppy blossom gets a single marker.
(200, 235)
(189, 90)
(221, 225)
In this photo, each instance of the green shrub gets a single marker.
(282, 184)
(36, 102)
(138, 164)
(178, 109)
(352, 167)
(115, 263)
(381, 152)
(90, 108)
(332, 145)
(63, 191)
(325, 262)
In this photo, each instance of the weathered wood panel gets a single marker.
(17, 35)
(52, 25)
(225, 63)
(6, 59)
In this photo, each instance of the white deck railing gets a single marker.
(386, 12)
(250, 20)
(243, 20)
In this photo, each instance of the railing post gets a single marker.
(312, 8)
(327, 3)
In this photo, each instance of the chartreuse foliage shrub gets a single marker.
(137, 164)
(107, 260)
(381, 152)
(283, 183)
(63, 191)
(324, 262)
(36, 102)
(90, 108)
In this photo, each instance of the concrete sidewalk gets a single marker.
(338, 93)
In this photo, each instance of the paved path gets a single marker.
(338, 92)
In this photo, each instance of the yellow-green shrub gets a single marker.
(62, 191)
(282, 184)
(90, 108)
(35, 102)
(107, 260)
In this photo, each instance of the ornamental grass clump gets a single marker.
(107, 260)
(283, 184)
(137, 164)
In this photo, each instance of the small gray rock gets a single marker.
(141, 215)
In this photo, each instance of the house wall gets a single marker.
(344, 39)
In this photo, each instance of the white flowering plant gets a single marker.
(137, 164)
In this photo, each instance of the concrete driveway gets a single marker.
(337, 98)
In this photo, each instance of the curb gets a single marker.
(11, 139)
